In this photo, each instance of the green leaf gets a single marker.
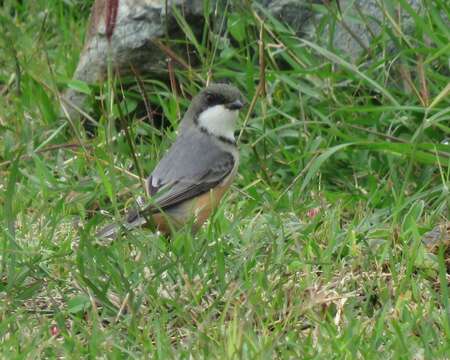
(188, 32)
(317, 163)
(79, 86)
(352, 68)
(236, 26)
(78, 304)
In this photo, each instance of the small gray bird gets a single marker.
(190, 180)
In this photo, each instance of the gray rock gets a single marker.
(353, 34)
(128, 42)
(361, 21)
(129, 47)
(298, 14)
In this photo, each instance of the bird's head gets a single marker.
(215, 109)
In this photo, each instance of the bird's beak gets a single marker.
(235, 105)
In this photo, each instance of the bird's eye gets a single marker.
(210, 98)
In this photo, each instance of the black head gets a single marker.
(214, 94)
(218, 94)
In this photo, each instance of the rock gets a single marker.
(299, 15)
(360, 21)
(438, 236)
(123, 32)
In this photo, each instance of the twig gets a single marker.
(173, 84)
(406, 76)
(346, 26)
(104, 162)
(314, 79)
(425, 98)
(129, 138)
(141, 87)
(46, 149)
(250, 109)
(122, 307)
(170, 53)
(393, 138)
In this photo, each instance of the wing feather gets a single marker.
(183, 188)
(193, 165)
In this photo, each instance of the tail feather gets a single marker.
(111, 231)
(108, 232)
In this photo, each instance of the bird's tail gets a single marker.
(133, 220)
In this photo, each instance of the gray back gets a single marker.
(194, 157)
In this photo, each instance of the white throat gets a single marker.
(219, 121)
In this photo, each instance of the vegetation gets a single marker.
(317, 251)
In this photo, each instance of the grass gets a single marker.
(317, 251)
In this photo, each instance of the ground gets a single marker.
(316, 252)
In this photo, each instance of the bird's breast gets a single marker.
(196, 210)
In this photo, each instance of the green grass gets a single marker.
(362, 146)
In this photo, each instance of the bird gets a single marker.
(189, 181)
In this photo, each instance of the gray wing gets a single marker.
(193, 165)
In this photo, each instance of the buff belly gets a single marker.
(195, 211)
